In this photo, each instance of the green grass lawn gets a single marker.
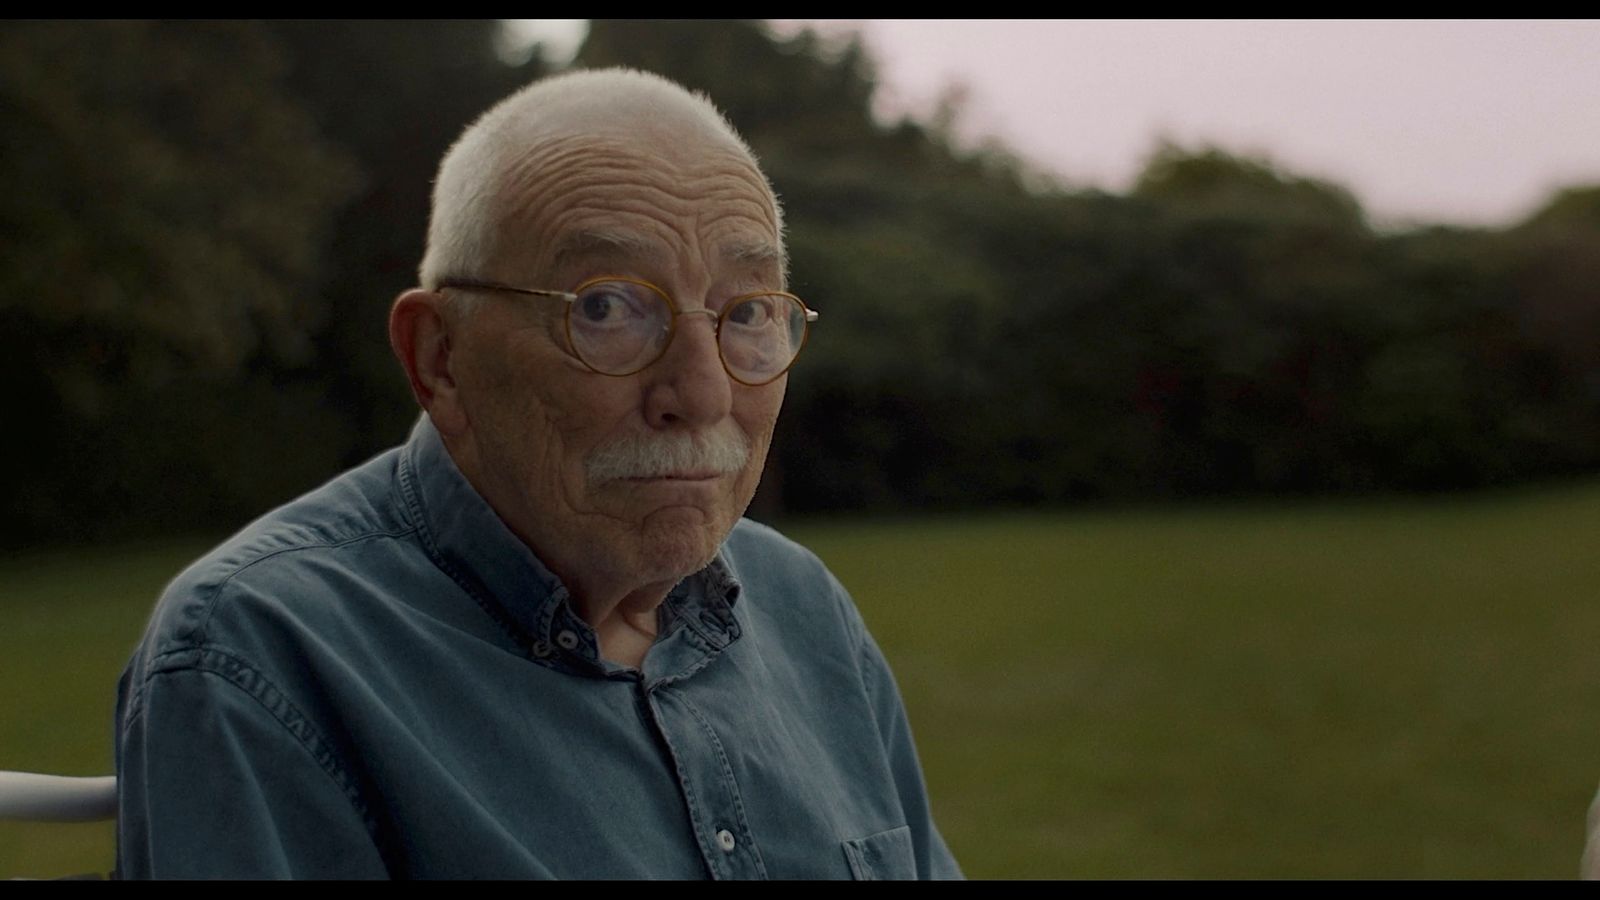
(1344, 689)
(71, 618)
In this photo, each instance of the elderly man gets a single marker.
(537, 639)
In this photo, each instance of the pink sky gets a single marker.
(1472, 122)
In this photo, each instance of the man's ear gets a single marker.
(419, 332)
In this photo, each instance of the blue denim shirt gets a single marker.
(380, 679)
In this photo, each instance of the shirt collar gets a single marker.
(469, 542)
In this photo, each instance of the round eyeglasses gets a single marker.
(619, 326)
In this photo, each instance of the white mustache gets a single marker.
(669, 455)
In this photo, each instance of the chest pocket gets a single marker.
(885, 856)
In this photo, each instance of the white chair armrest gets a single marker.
(56, 798)
(1589, 869)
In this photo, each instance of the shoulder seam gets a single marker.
(244, 677)
(216, 590)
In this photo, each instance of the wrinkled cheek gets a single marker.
(565, 470)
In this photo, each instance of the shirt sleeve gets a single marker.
(934, 860)
(217, 782)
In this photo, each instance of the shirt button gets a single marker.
(541, 649)
(567, 639)
(725, 840)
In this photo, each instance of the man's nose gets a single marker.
(690, 388)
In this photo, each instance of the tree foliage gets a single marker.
(206, 223)
(164, 200)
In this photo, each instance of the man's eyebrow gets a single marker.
(752, 252)
(760, 254)
(609, 243)
(605, 243)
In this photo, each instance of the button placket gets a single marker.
(709, 786)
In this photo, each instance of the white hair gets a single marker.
(724, 451)
(465, 221)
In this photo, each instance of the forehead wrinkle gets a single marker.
(637, 231)
(552, 159)
(571, 197)
(627, 189)
(631, 227)
(559, 165)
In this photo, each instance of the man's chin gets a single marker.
(679, 541)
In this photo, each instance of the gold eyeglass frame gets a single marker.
(571, 298)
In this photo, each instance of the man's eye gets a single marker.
(605, 307)
(755, 312)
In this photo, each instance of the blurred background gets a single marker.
(1219, 520)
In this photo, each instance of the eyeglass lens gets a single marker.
(620, 327)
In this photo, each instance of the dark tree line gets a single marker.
(205, 223)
